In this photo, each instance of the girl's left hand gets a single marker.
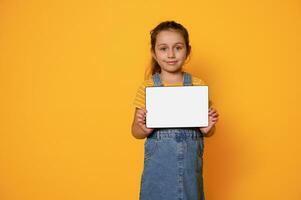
(212, 119)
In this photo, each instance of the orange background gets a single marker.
(70, 71)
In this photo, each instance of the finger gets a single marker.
(211, 111)
(142, 125)
(215, 114)
(140, 117)
(214, 119)
(141, 113)
(212, 122)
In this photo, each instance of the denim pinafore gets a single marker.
(173, 161)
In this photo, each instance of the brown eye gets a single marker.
(179, 48)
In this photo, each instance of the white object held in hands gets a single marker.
(176, 106)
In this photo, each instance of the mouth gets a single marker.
(171, 62)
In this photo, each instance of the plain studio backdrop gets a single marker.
(69, 71)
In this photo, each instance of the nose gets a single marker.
(171, 53)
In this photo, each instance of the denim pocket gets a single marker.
(150, 146)
(200, 143)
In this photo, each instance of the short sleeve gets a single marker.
(139, 100)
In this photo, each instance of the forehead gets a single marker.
(169, 37)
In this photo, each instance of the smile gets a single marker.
(171, 62)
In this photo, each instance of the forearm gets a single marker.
(138, 132)
(208, 133)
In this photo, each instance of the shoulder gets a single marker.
(197, 81)
(146, 83)
(143, 85)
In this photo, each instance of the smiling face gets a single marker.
(170, 51)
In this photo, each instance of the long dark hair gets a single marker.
(166, 25)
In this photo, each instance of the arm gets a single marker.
(139, 130)
(209, 133)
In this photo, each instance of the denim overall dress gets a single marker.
(173, 161)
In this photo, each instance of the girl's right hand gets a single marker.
(141, 120)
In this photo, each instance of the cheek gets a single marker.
(182, 55)
(160, 55)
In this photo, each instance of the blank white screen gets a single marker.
(176, 106)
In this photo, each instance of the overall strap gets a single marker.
(157, 80)
(186, 82)
(187, 79)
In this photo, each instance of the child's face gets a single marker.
(170, 51)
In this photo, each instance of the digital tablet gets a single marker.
(176, 106)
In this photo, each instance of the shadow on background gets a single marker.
(223, 153)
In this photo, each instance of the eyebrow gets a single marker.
(174, 44)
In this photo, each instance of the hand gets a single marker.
(212, 119)
(141, 118)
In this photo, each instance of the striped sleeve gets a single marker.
(139, 101)
(197, 81)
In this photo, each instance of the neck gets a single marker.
(171, 78)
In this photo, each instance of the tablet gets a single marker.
(176, 106)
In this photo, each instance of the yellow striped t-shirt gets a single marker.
(139, 101)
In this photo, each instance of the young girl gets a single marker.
(173, 157)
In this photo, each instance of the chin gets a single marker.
(173, 70)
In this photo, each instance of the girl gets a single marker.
(173, 157)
